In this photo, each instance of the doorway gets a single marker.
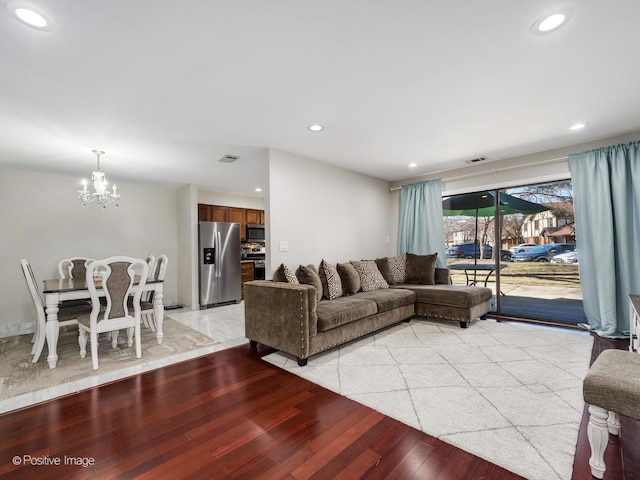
(530, 260)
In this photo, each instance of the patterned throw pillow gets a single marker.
(284, 274)
(289, 274)
(398, 267)
(331, 283)
(370, 277)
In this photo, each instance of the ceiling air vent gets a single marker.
(228, 159)
(476, 160)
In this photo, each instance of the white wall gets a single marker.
(188, 246)
(230, 200)
(323, 211)
(43, 221)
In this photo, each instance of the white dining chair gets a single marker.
(117, 275)
(67, 314)
(74, 267)
(147, 305)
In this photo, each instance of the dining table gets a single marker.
(57, 290)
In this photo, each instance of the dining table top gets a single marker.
(57, 285)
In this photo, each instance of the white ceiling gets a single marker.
(167, 88)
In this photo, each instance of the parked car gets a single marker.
(466, 250)
(523, 247)
(544, 253)
(568, 257)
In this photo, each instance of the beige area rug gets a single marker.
(509, 393)
(23, 383)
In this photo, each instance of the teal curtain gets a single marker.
(420, 227)
(606, 185)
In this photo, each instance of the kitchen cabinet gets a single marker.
(255, 217)
(219, 213)
(238, 215)
(246, 273)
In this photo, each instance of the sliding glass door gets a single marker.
(527, 253)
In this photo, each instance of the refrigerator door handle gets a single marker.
(218, 253)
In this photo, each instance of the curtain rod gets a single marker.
(495, 170)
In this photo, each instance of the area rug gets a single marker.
(23, 383)
(509, 393)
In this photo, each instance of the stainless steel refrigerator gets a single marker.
(219, 263)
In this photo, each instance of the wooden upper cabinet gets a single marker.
(205, 213)
(218, 213)
(255, 217)
(237, 215)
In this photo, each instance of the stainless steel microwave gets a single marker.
(255, 233)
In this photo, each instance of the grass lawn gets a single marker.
(526, 273)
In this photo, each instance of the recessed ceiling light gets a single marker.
(578, 126)
(549, 23)
(316, 127)
(257, 189)
(412, 165)
(30, 16)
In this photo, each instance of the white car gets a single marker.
(567, 257)
(523, 247)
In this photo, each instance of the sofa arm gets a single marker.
(280, 315)
(442, 276)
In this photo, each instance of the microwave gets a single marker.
(255, 233)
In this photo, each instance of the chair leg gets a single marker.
(94, 349)
(613, 423)
(38, 340)
(130, 337)
(82, 341)
(598, 434)
(114, 339)
(138, 340)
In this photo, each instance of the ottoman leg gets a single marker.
(598, 434)
(614, 423)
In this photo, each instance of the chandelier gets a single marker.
(101, 196)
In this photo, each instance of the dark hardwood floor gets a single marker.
(231, 415)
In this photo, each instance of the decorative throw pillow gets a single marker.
(349, 277)
(284, 274)
(331, 283)
(370, 277)
(393, 269)
(383, 266)
(309, 276)
(421, 269)
(398, 268)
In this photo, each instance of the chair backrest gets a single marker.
(74, 267)
(116, 276)
(33, 289)
(161, 267)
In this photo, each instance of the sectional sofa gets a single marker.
(315, 309)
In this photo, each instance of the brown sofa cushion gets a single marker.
(370, 277)
(454, 295)
(389, 298)
(332, 314)
(421, 269)
(349, 278)
(331, 283)
(309, 276)
(284, 274)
